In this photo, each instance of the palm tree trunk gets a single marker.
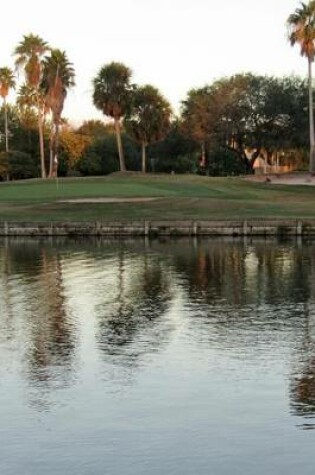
(203, 155)
(51, 152)
(54, 143)
(6, 129)
(120, 147)
(56, 147)
(144, 157)
(41, 144)
(311, 118)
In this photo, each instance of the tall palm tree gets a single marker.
(149, 118)
(7, 82)
(112, 96)
(58, 78)
(301, 30)
(29, 57)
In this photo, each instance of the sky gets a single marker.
(174, 45)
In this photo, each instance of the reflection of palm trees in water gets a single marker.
(302, 385)
(211, 270)
(52, 350)
(130, 322)
(35, 278)
(7, 318)
(239, 296)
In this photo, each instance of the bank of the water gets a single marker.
(154, 228)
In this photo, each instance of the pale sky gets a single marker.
(174, 45)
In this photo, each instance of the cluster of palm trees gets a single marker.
(145, 113)
(47, 75)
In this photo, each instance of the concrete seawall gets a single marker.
(153, 228)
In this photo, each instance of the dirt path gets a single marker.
(285, 179)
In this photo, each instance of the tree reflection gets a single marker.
(36, 303)
(239, 296)
(131, 317)
(302, 386)
(240, 273)
(257, 295)
(52, 332)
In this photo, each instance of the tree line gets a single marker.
(222, 128)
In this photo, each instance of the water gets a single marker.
(177, 357)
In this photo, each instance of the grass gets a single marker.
(179, 197)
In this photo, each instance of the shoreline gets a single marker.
(155, 228)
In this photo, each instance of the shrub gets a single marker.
(224, 162)
(16, 165)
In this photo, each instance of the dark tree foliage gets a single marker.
(223, 162)
(23, 139)
(175, 153)
(101, 157)
(15, 165)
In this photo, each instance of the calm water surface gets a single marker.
(141, 358)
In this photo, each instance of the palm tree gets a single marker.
(301, 28)
(112, 96)
(149, 118)
(26, 97)
(27, 100)
(58, 78)
(29, 57)
(7, 82)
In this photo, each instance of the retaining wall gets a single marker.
(162, 228)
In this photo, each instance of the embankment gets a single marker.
(153, 228)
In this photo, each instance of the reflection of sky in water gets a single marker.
(175, 357)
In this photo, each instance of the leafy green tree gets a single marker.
(17, 165)
(149, 118)
(32, 108)
(301, 26)
(7, 82)
(248, 115)
(29, 57)
(72, 148)
(100, 158)
(259, 115)
(112, 96)
(199, 114)
(175, 153)
(223, 162)
(58, 78)
(95, 129)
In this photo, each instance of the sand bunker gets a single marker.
(108, 200)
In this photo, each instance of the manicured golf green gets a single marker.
(176, 197)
